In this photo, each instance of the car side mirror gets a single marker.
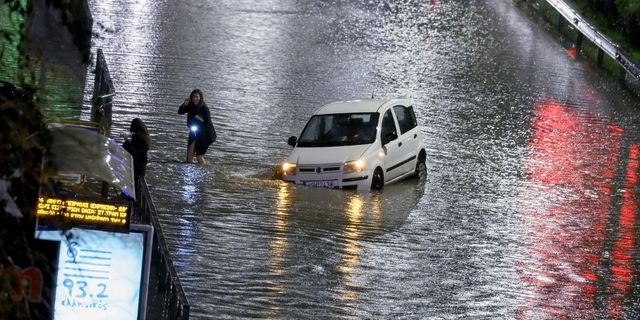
(292, 141)
(389, 137)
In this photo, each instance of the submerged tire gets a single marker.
(421, 170)
(377, 180)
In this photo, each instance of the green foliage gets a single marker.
(619, 19)
(72, 16)
(630, 18)
(13, 14)
(23, 142)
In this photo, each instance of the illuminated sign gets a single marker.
(82, 212)
(102, 275)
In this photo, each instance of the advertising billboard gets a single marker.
(101, 274)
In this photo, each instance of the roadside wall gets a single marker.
(45, 47)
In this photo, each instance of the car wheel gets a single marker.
(377, 180)
(421, 170)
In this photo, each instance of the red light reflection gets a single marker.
(571, 170)
(622, 266)
(433, 6)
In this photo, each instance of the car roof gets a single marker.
(364, 105)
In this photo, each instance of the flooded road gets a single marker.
(529, 209)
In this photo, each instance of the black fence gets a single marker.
(589, 41)
(166, 296)
(103, 92)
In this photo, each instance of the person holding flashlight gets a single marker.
(201, 131)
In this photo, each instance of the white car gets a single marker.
(359, 144)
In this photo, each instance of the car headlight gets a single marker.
(288, 169)
(354, 166)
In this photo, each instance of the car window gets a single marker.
(315, 128)
(388, 128)
(330, 130)
(406, 118)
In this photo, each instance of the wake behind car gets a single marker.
(358, 144)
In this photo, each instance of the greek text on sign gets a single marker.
(83, 212)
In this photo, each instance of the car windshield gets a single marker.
(345, 129)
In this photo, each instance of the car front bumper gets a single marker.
(358, 181)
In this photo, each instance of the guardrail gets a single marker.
(167, 299)
(566, 15)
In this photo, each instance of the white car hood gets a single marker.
(327, 155)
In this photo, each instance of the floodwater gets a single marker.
(529, 209)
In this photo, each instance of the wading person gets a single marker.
(201, 131)
(138, 147)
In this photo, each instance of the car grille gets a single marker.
(319, 169)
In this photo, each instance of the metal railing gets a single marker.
(591, 33)
(167, 299)
(585, 30)
(103, 92)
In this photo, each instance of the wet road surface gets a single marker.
(529, 209)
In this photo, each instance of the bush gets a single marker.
(23, 142)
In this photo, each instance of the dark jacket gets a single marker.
(192, 111)
(138, 147)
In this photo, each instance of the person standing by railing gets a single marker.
(138, 147)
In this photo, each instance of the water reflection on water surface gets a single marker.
(529, 209)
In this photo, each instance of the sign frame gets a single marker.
(100, 238)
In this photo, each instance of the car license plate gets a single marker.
(321, 183)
